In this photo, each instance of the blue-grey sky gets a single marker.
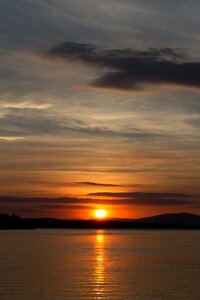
(99, 102)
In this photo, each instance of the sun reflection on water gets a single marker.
(100, 264)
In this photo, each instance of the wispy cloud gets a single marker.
(11, 138)
(39, 121)
(195, 121)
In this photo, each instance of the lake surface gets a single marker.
(101, 264)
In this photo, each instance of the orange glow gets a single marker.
(100, 213)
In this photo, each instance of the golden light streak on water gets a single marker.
(100, 264)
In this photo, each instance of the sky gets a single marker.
(99, 107)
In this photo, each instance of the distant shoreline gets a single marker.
(169, 221)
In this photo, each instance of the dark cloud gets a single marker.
(60, 200)
(58, 206)
(97, 184)
(129, 69)
(160, 201)
(146, 198)
(129, 198)
(141, 195)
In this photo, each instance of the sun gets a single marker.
(100, 213)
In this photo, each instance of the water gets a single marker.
(109, 264)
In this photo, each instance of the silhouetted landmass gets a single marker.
(174, 219)
(167, 221)
(14, 222)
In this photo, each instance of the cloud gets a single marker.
(26, 121)
(60, 200)
(128, 69)
(11, 138)
(58, 206)
(21, 122)
(195, 121)
(97, 184)
(147, 198)
(129, 198)
(140, 195)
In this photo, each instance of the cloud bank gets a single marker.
(127, 198)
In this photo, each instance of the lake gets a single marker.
(99, 264)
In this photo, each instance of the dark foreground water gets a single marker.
(109, 264)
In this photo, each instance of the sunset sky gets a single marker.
(99, 107)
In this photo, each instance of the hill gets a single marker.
(186, 219)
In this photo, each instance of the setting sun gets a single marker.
(100, 213)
